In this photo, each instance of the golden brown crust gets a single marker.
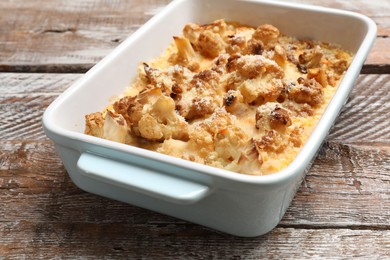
(227, 95)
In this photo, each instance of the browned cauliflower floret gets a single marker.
(259, 91)
(152, 115)
(192, 31)
(307, 91)
(236, 44)
(295, 137)
(252, 66)
(278, 54)
(268, 34)
(231, 64)
(209, 77)
(320, 75)
(311, 58)
(112, 127)
(220, 133)
(208, 39)
(132, 108)
(94, 124)
(197, 103)
(272, 141)
(340, 62)
(162, 122)
(272, 115)
(200, 107)
(254, 47)
(201, 96)
(234, 102)
(339, 66)
(210, 44)
(165, 79)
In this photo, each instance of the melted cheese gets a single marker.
(236, 97)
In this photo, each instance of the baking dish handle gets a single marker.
(143, 180)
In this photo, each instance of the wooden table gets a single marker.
(342, 209)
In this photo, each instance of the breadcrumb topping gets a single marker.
(232, 96)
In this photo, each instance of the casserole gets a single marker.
(237, 204)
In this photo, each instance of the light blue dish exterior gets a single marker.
(237, 204)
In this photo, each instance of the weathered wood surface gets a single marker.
(38, 36)
(365, 117)
(342, 209)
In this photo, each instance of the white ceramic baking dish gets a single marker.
(230, 202)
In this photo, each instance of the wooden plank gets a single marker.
(71, 32)
(339, 190)
(35, 83)
(366, 115)
(348, 185)
(364, 118)
(90, 241)
(342, 208)
(71, 36)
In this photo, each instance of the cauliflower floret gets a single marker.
(311, 58)
(340, 62)
(210, 44)
(152, 115)
(208, 39)
(94, 124)
(234, 102)
(220, 133)
(252, 66)
(111, 127)
(259, 91)
(191, 31)
(268, 34)
(162, 122)
(201, 97)
(319, 74)
(115, 128)
(219, 65)
(200, 107)
(236, 44)
(165, 79)
(132, 108)
(272, 116)
(272, 141)
(207, 78)
(278, 54)
(254, 47)
(150, 128)
(307, 91)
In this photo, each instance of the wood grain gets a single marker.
(364, 118)
(341, 211)
(44, 215)
(342, 208)
(71, 36)
(117, 241)
(334, 194)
